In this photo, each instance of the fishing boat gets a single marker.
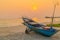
(38, 28)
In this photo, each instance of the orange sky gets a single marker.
(33, 8)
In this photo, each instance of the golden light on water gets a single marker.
(35, 19)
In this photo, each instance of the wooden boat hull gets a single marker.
(47, 33)
(29, 23)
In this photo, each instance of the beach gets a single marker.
(44, 12)
(18, 33)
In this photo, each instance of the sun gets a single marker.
(34, 7)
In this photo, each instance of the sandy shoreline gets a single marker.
(17, 33)
(13, 29)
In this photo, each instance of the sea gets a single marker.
(19, 21)
(10, 22)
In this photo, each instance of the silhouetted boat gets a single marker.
(38, 28)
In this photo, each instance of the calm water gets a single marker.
(15, 22)
(9, 22)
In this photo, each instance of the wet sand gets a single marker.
(17, 33)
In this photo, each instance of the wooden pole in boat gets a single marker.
(53, 14)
